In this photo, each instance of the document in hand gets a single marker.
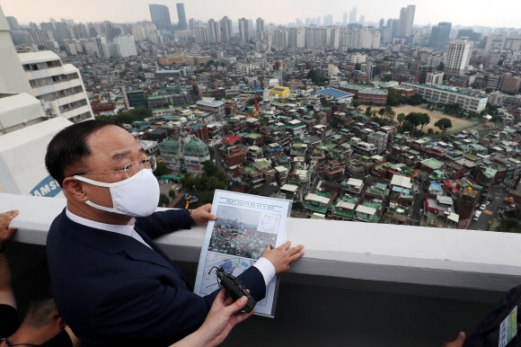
(245, 225)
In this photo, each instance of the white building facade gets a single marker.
(125, 46)
(59, 87)
(458, 57)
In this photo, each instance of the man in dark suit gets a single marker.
(111, 283)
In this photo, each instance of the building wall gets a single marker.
(458, 57)
(125, 46)
(22, 153)
(467, 102)
(59, 87)
(12, 77)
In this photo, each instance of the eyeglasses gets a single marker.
(130, 169)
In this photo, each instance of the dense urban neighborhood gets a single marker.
(381, 124)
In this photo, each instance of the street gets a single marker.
(496, 196)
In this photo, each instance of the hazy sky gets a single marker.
(498, 13)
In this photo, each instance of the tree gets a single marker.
(416, 99)
(172, 194)
(356, 103)
(509, 225)
(368, 111)
(413, 118)
(381, 112)
(161, 169)
(424, 119)
(401, 117)
(443, 124)
(129, 117)
(163, 200)
(395, 99)
(391, 115)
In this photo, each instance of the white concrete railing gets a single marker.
(451, 258)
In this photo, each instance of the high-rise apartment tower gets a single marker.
(160, 16)
(181, 16)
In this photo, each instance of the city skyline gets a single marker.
(119, 11)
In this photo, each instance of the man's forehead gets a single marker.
(111, 139)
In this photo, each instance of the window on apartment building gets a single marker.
(71, 76)
(54, 63)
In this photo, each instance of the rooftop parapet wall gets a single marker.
(462, 259)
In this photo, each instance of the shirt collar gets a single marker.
(115, 228)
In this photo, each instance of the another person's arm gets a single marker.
(460, 340)
(223, 316)
(74, 339)
(6, 233)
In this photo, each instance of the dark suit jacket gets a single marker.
(114, 291)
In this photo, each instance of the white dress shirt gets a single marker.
(127, 230)
(265, 267)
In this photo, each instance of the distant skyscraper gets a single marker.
(181, 16)
(191, 24)
(160, 16)
(362, 20)
(260, 28)
(440, 35)
(406, 20)
(214, 31)
(382, 23)
(201, 35)
(344, 18)
(13, 23)
(473, 36)
(125, 46)
(328, 20)
(226, 29)
(458, 57)
(103, 47)
(352, 16)
(395, 26)
(244, 31)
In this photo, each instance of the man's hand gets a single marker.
(221, 319)
(460, 340)
(203, 214)
(7, 233)
(283, 255)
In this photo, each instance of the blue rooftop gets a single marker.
(435, 186)
(337, 94)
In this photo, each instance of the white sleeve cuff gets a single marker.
(266, 268)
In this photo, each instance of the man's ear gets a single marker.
(74, 189)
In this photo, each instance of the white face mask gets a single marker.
(137, 196)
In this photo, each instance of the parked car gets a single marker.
(487, 202)
(482, 207)
(477, 215)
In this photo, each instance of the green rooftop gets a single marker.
(253, 136)
(489, 173)
(432, 163)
